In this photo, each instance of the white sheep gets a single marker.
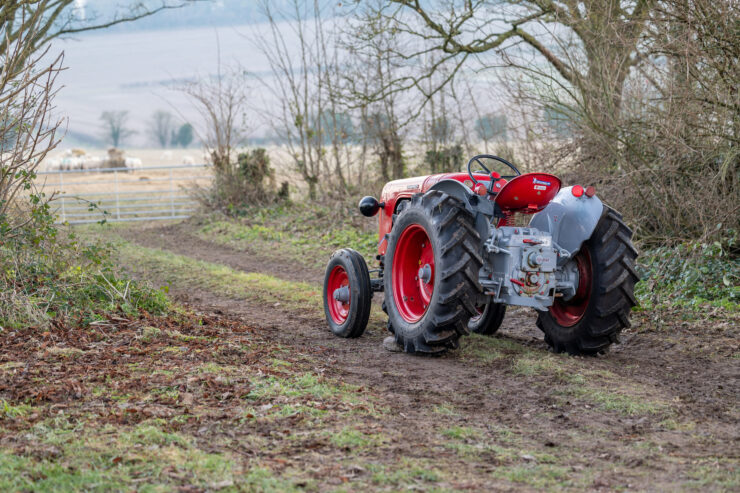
(92, 162)
(51, 165)
(70, 163)
(133, 163)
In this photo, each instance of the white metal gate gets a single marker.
(122, 194)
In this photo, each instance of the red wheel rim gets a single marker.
(338, 310)
(412, 289)
(568, 313)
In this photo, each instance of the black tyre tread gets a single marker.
(613, 257)
(493, 317)
(361, 266)
(360, 312)
(456, 283)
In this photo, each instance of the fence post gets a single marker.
(118, 207)
(61, 193)
(172, 194)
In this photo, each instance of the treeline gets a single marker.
(163, 129)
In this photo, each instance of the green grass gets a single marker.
(461, 432)
(273, 397)
(222, 280)
(718, 474)
(542, 364)
(622, 403)
(304, 232)
(445, 409)
(352, 439)
(600, 388)
(57, 278)
(487, 349)
(148, 334)
(263, 480)
(542, 476)
(8, 411)
(71, 457)
(306, 385)
(409, 472)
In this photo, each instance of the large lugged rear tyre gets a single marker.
(431, 273)
(591, 321)
(347, 293)
(489, 318)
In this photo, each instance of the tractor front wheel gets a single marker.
(347, 293)
(431, 279)
(591, 320)
(489, 318)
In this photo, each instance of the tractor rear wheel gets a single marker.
(347, 293)
(489, 318)
(591, 320)
(431, 273)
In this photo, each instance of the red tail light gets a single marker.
(577, 191)
(590, 191)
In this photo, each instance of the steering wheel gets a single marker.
(488, 172)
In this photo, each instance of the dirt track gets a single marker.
(690, 368)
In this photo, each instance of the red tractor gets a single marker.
(452, 258)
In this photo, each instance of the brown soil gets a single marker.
(690, 366)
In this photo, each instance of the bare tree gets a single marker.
(162, 126)
(28, 129)
(114, 125)
(298, 83)
(589, 48)
(369, 67)
(222, 103)
(681, 126)
(241, 179)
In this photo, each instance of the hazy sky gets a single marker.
(137, 71)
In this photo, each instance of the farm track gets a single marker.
(691, 369)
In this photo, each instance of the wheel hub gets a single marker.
(338, 286)
(342, 294)
(569, 312)
(413, 273)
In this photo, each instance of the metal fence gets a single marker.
(123, 194)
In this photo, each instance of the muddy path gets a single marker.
(179, 238)
(694, 373)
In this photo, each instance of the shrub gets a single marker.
(248, 182)
(445, 160)
(51, 276)
(690, 274)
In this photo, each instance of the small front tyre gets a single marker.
(347, 293)
(489, 318)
